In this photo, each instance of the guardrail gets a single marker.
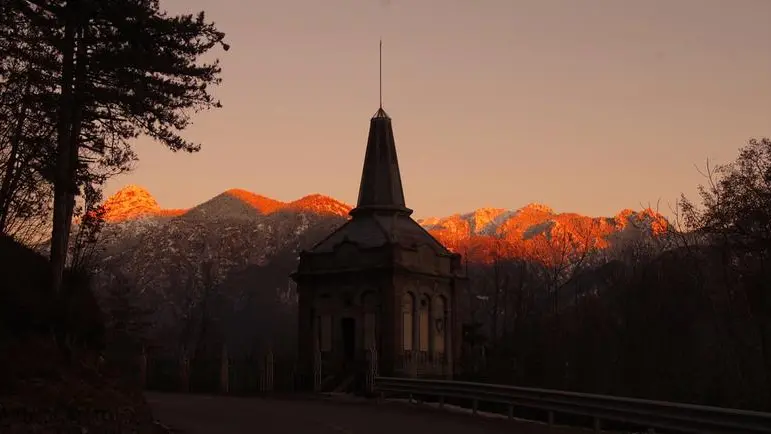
(646, 414)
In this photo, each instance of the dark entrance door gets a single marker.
(349, 338)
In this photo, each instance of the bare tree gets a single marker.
(735, 213)
(565, 250)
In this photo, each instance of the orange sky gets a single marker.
(586, 105)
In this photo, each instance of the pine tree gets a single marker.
(25, 128)
(121, 68)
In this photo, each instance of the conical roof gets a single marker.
(381, 216)
(381, 189)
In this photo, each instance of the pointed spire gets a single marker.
(381, 182)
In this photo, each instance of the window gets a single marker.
(369, 330)
(325, 333)
(439, 324)
(369, 302)
(424, 324)
(407, 316)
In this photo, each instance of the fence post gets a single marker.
(372, 370)
(293, 377)
(317, 370)
(261, 375)
(224, 371)
(184, 373)
(143, 369)
(269, 371)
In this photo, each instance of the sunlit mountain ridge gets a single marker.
(534, 231)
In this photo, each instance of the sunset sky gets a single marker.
(588, 106)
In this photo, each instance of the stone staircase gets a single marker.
(349, 380)
(346, 385)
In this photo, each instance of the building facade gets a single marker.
(379, 284)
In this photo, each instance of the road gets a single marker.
(200, 414)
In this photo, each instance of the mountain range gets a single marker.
(242, 246)
(480, 234)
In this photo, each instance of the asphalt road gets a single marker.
(200, 414)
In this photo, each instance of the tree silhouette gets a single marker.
(735, 213)
(122, 68)
(25, 132)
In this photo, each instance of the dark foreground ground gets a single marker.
(200, 414)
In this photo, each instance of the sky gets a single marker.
(588, 106)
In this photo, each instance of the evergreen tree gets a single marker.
(120, 69)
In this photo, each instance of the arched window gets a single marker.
(408, 306)
(439, 324)
(325, 333)
(425, 326)
(370, 304)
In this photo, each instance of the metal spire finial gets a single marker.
(381, 73)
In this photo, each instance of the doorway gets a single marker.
(348, 326)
